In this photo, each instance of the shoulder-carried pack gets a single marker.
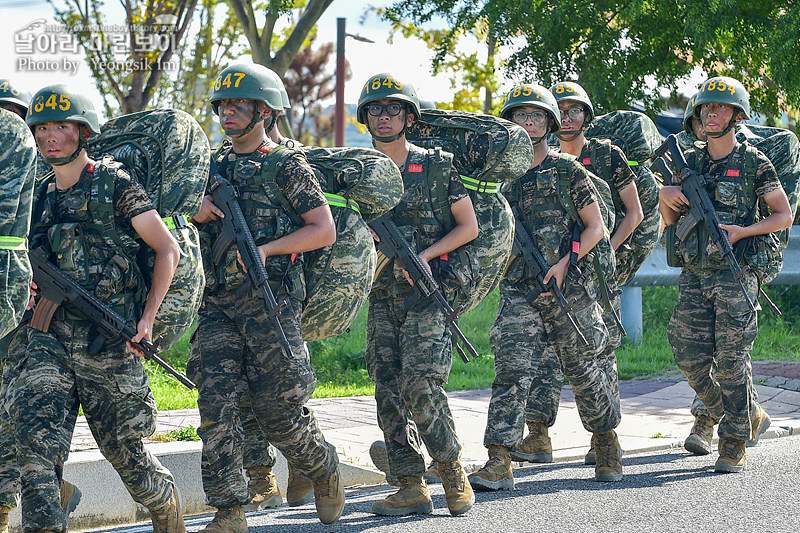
(17, 172)
(638, 137)
(167, 152)
(487, 152)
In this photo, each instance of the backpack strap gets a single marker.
(272, 164)
(438, 166)
(600, 159)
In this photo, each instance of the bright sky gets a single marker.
(50, 62)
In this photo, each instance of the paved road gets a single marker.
(662, 491)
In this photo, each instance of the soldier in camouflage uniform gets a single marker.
(16, 100)
(712, 328)
(258, 455)
(577, 113)
(51, 372)
(409, 351)
(235, 350)
(530, 327)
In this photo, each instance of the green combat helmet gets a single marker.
(387, 86)
(57, 103)
(533, 95)
(723, 90)
(569, 91)
(688, 114)
(250, 82)
(10, 94)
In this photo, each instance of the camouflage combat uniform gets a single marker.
(525, 333)
(48, 374)
(548, 377)
(712, 329)
(235, 348)
(409, 351)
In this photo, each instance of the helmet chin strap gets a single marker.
(61, 161)
(537, 140)
(256, 120)
(717, 134)
(390, 138)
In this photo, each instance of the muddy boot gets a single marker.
(699, 440)
(169, 519)
(263, 488)
(377, 452)
(536, 447)
(4, 510)
(299, 489)
(70, 496)
(496, 473)
(457, 490)
(227, 520)
(412, 498)
(732, 456)
(609, 457)
(329, 498)
(759, 422)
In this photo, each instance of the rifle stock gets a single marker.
(394, 245)
(56, 287)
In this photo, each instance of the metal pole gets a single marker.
(340, 74)
(631, 311)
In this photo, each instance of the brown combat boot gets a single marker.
(496, 473)
(412, 498)
(536, 447)
(609, 457)
(4, 510)
(457, 490)
(227, 520)
(732, 456)
(299, 490)
(329, 498)
(759, 422)
(169, 519)
(263, 488)
(432, 474)
(699, 440)
(70, 496)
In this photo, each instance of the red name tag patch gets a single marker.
(733, 173)
(415, 168)
(90, 168)
(586, 161)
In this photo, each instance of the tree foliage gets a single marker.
(308, 81)
(623, 50)
(128, 65)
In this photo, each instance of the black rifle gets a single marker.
(394, 245)
(525, 247)
(56, 287)
(236, 231)
(701, 211)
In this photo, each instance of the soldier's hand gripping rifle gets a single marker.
(701, 211)
(56, 287)
(524, 246)
(394, 245)
(235, 231)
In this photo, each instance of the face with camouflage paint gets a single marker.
(572, 115)
(533, 127)
(236, 113)
(716, 116)
(58, 139)
(697, 128)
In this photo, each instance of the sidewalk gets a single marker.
(655, 415)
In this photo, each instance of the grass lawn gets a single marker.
(340, 368)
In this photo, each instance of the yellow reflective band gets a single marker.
(341, 201)
(13, 243)
(633, 163)
(480, 186)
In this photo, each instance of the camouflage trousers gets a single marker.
(698, 408)
(547, 379)
(711, 332)
(256, 449)
(409, 355)
(522, 337)
(48, 376)
(9, 473)
(235, 351)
